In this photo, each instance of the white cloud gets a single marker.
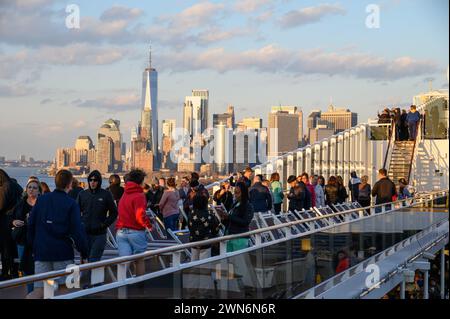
(295, 18)
(117, 12)
(297, 63)
(32, 60)
(118, 103)
(246, 6)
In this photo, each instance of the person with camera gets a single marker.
(224, 196)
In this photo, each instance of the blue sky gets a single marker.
(57, 84)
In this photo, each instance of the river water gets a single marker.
(23, 173)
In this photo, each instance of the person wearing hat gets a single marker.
(19, 226)
(403, 191)
(297, 194)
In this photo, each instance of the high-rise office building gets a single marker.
(149, 116)
(290, 109)
(319, 132)
(84, 143)
(339, 119)
(110, 129)
(195, 112)
(283, 133)
(168, 126)
(225, 118)
(251, 123)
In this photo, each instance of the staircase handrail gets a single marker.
(390, 144)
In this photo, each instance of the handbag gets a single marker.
(18, 234)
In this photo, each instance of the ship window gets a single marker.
(436, 120)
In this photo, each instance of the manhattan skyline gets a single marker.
(57, 84)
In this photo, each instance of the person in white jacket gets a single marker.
(320, 195)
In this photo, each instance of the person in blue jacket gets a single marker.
(54, 226)
(413, 119)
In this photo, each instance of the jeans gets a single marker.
(412, 130)
(131, 242)
(96, 244)
(20, 251)
(171, 221)
(277, 208)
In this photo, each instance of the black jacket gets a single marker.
(226, 199)
(331, 194)
(202, 225)
(342, 194)
(117, 192)
(384, 190)
(10, 195)
(20, 212)
(239, 219)
(297, 197)
(74, 192)
(98, 209)
(260, 198)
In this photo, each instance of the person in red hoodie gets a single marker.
(133, 221)
(343, 262)
(305, 179)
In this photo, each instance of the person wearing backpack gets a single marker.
(364, 190)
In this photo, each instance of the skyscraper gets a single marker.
(149, 115)
(290, 109)
(111, 130)
(84, 143)
(195, 112)
(283, 133)
(225, 118)
(339, 119)
(252, 122)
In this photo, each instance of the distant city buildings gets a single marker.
(335, 119)
(221, 148)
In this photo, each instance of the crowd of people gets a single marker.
(39, 228)
(406, 123)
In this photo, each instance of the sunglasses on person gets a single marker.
(93, 180)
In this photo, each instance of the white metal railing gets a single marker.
(176, 251)
(338, 279)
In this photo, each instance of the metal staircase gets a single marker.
(401, 160)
